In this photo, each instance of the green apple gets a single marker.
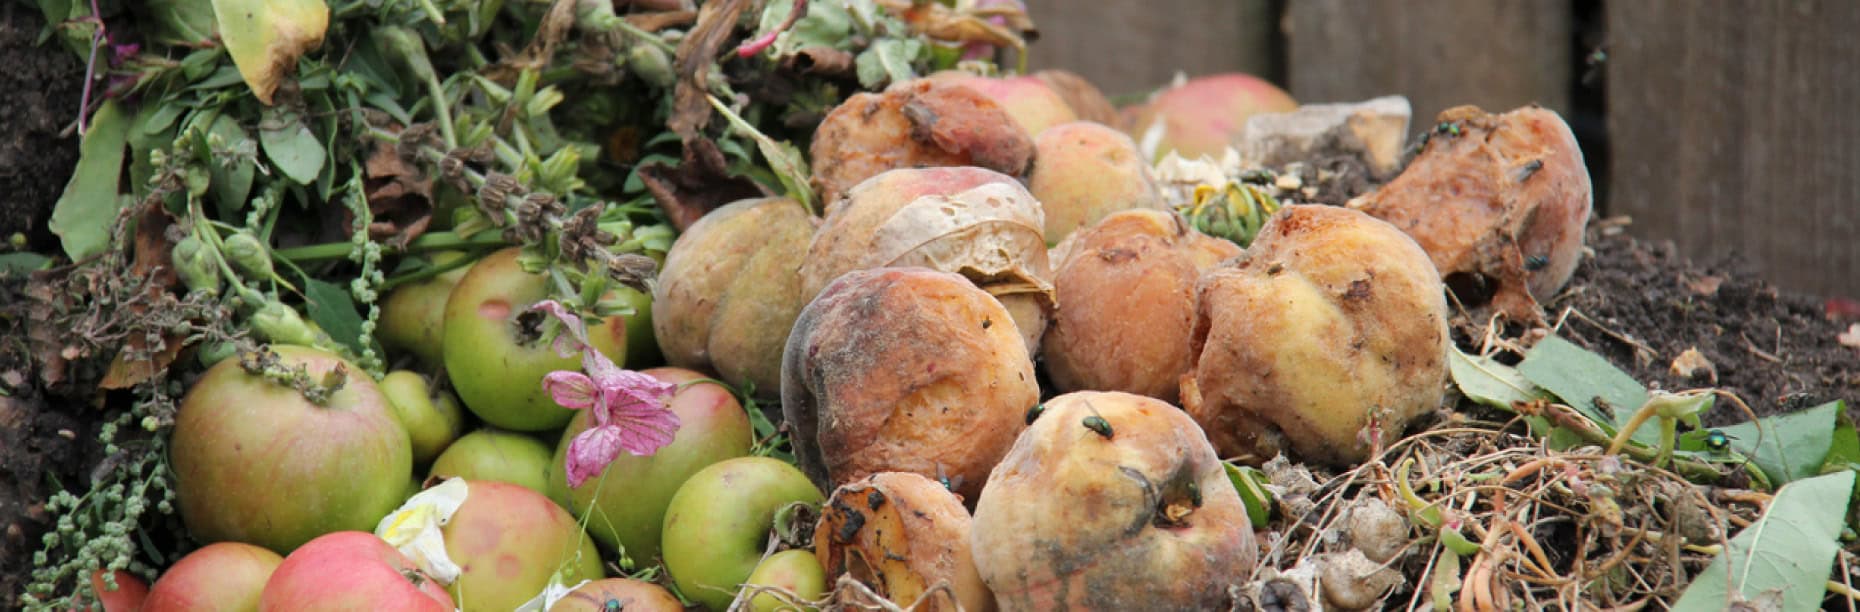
(628, 499)
(433, 419)
(642, 349)
(719, 522)
(498, 359)
(496, 455)
(794, 570)
(413, 315)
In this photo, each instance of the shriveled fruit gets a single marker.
(1498, 201)
(222, 576)
(495, 454)
(795, 574)
(619, 594)
(719, 522)
(510, 542)
(1203, 115)
(1033, 104)
(914, 124)
(972, 221)
(1084, 171)
(1111, 501)
(905, 370)
(903, 535)
(351, 570)
(257, 462)
(629, 498)
(1329, 331)
(1127, 303)
(1086, 100)
(730, 290)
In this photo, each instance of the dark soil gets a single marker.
(1645, 306)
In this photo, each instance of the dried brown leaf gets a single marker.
(697, 185)
(696, 55)
(400, 197)
(152, 256)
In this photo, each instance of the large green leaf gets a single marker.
(1788, 446)
(84, 214)
(231, 185)
(1790, 549)
(332, 309)
(291, 146)
(1489, 382)
(1581, 378)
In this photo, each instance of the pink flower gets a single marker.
(629, 408)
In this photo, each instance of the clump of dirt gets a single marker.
(43, 85)
(1643, 306)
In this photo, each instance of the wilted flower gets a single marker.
(629, 408)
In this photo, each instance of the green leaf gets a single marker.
(84, 214)
(1790, 549)
(1247, 482)
(23, 262)
(787, 162)
(291, 146)
(231, 185)
(1844, 449)
(888, 60)
(1580, 377)
(1489, 382)
(330, 306)
(1788, 447)
(177, 22)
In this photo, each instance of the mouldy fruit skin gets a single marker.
(1111, 501)
(1495, 199)
(1203, 115)
(1127, 299)
(901, 534)
(1033, 104)
(1084, 171)
(730, 289)
(1332, 318)
(916, 123)
(972, 221)
(905, 370)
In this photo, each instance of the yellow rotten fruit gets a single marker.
(265, 37)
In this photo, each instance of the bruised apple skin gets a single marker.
(1332, 320)
(916, 123)
(1033, 104)
(1203, 115)
(905, 370)
(901, 534)
(1111, 501)
(510, 542)
(971, 221)
(730, 289)
(1500, 199)
(1084, 171)
(1127, 300)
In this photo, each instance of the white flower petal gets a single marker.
(414, 528)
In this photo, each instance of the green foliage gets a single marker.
(83, 215)
(1789, 550)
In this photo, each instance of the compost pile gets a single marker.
(590, 305)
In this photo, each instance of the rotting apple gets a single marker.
(904, 536)
(218, 577)
(496, 455)
(795, 573)
(1084, 171)
(905, 370)
(510, 543)
(914, 124)
(1111, 501)
(1329, 333)
(1086, 100)
(1033, 104)
(1203, 115)
(1127, 303)
(257, 462)
(608, 594)
(629, 498)
(499, 357)
(719, 523)
(432, 417)
(351, 570)
(413, 316)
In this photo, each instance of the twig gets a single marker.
(1751, 347)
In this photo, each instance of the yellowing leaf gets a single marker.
(265, 37)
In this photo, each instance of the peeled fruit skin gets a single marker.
(1507, 199)
(719, 522)
(1033, 104)
(905, 370)
(495, 368)
(351, 570)
(413, 316)
(1084, 171)
(917, 123)
(493, 454)
(634, 492)
(972, 221)
(902, 534)
(1142, 519)
(508, 541)
(731, 288)
(1127, 303)
(255, 462)
(433, 419)
(796, 571)
(631, 595)
(218, 577)
(1331, 317)
(1205, 114)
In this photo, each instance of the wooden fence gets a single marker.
(1722, 125)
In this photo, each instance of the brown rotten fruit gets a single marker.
(905, 370)
(1111, 501)
(1330, 330)
(917, 123)
(902, 535)
(1498, 201)
(730, 290)
(1126, 291)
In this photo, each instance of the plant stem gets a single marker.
(442, 109)
(649, 37)
(433, 241)
(428, 272)
(1627, 431)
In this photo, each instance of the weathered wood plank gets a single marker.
(1734, 127)
(1128, 47)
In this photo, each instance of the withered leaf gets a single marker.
(152, 253)
(699, 184)
(400, 197)
(696, 55)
